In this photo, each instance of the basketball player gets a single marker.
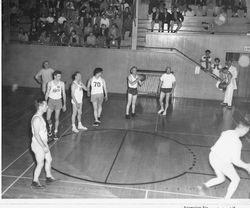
(166, 87)
(54, 94)
(45, 75)
(77, 88)
(39, 145)
(226, 153)
(98, 91)
(133, 81)
(227, 78)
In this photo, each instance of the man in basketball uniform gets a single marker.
(54, 94)
(226, 153)
(166, 87)
(133, 81)
(39, 145)
(45, 75)
(98, 91)
(227, 78)
(77, 88)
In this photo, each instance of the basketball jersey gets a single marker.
(43, 129)
(78, 92)
(55, 91)
(96, 85)
(167, 80)
(131, 78)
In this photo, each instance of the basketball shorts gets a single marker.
(166, 90)
(97, 98)
(39, 152)
(132, 91)
(55, 104)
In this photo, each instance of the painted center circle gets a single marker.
(124, 157)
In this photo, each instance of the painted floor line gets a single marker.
(126, 188)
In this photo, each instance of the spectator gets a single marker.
(61, 19)
(127, 26)
(87, 19)
(44, 38)
(96, 19)
(63, 39)
(239, 4)
(113, 36)
(216, 67)
(125, 13)
(176, 18)
(118, 21)
(54, 33)
(104, 5)
(105, 21)
(96, 30)
(124, 5)
(71, 27)
(206, 60)
(165, 17)
(74, 39)
(110, 12)
(22, 36)
(87, 30)
(155, 19)
(91, 40)
(103, 35)
(33, 35)
(64, 28)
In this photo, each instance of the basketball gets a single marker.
(223, 86)
(142, 77)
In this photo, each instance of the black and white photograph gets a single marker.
(125, 103)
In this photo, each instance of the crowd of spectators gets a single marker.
(91, 23)
(195, 5)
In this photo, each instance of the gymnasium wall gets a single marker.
(194, 45)
(21, 62)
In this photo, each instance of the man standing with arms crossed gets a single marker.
(44, 76)
(54, 94)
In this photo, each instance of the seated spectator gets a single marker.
(113, 36)
(63, 39)
(110, 13)
(71, 27)
(61, 19)
(165, 17)
(127, 26)
(74, 39)
(216, 67)
(91, 40)
(124, 5)
(64, 28)
(33, 35)
(96, 30)
(22, 36)
(155, 19)
(50, 21)
(118, 21)
(176, 18)
(104, 21)
(87, 30)
(87, 19)
(206, 60)
(239, 5)
(104, 5)
(103, 36)
(96, 19)
(54, 33)
(44, 38)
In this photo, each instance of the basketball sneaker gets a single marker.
(50, 180)
(37, 185)
(164, 113)
(50, 131)
(96, 123)
(56, 136)
(80, 126)
(160, 111)
(74, 129)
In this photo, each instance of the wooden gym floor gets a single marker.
(149, 156)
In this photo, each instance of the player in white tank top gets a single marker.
(40, 146)
(224, 155)
(97, 90)
(54, 95)
(133, 81)
(77, 88)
